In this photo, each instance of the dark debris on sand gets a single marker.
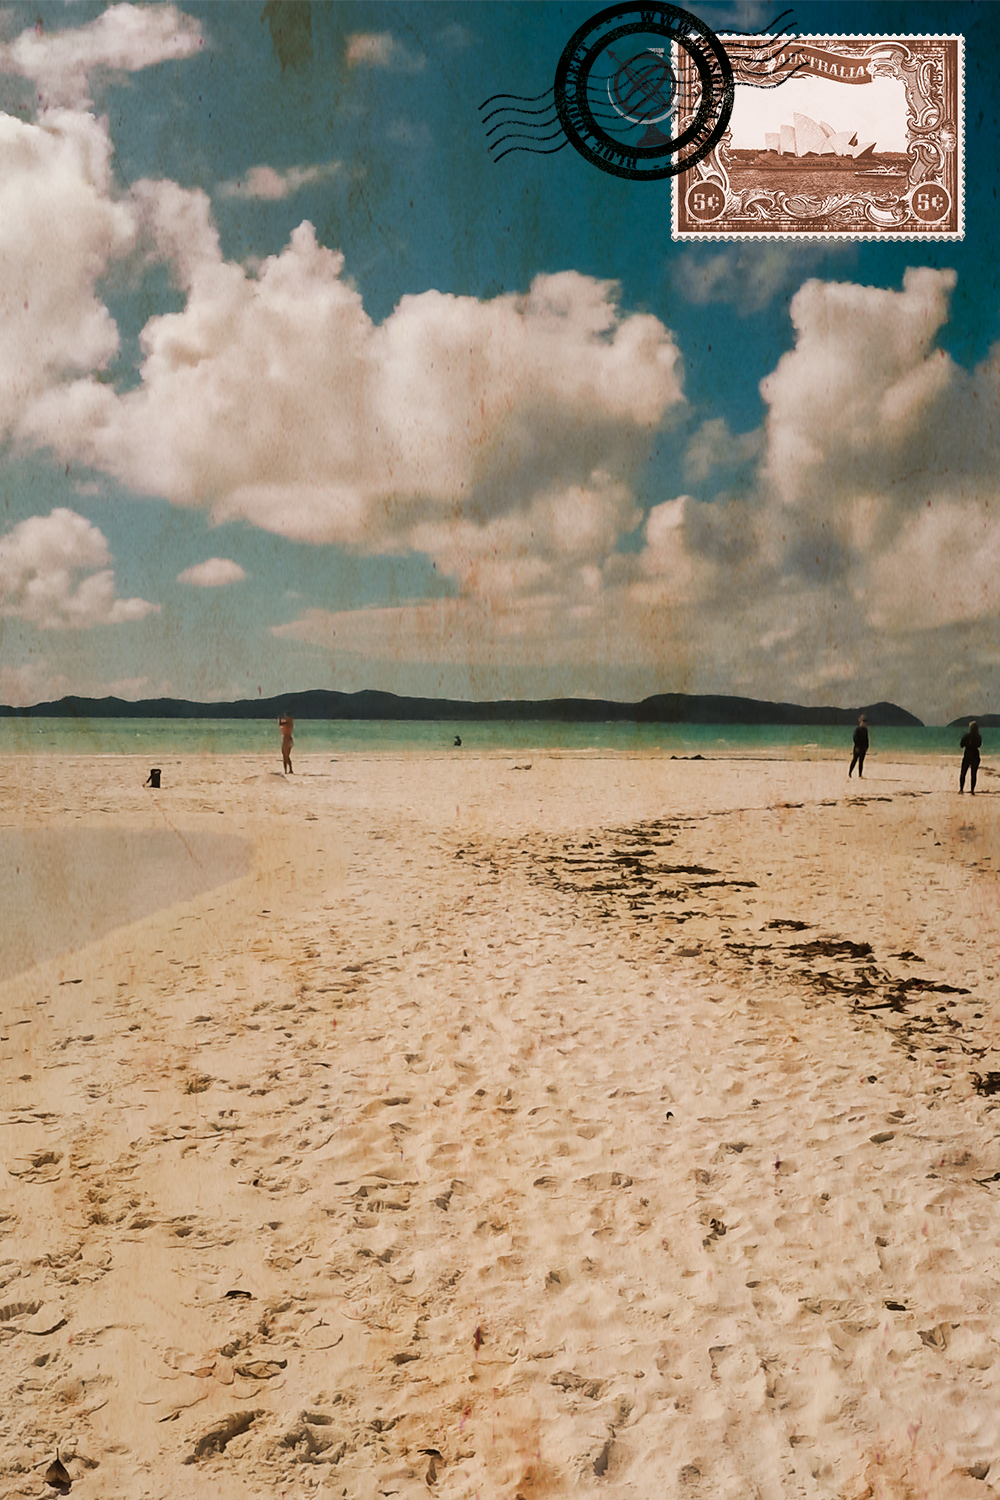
(626, 875)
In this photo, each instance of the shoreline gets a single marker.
(269, 760)
(610, 1124)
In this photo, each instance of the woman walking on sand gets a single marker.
(286, 724)
(971, 744)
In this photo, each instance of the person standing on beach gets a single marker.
(860, 747)
(286, 725)
(971, 743)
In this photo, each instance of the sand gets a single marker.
(570, 1125)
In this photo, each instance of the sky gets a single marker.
(300, 389)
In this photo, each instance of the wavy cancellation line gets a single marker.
(532, 129)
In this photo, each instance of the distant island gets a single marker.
(985, 721)
(661, 708)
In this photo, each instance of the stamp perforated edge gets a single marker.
(691, 237)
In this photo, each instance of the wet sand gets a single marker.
(613, 1126)
(65, 887)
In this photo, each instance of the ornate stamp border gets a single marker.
(920, 194)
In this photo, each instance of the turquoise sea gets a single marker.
(151, 738)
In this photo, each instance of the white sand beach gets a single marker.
(572, 1125)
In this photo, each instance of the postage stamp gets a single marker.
(849, 137)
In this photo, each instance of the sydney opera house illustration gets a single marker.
(807, 138)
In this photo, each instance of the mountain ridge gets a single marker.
(372, 703)
(985, 721)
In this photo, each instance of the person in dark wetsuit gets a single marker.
(860, 747)
(971, 743)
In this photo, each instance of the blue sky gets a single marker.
(298, 388)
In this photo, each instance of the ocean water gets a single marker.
(161, 738)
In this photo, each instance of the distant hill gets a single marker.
(985, 721)
(662, 708)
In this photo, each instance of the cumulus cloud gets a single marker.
(866, 554)
(942, 569)
(214, 573)
(124, 38)
(713, 448)
(275, 399)
(882, 454)
(748, 276)
(500, 438)
(271, 184)
(32, 682)
(59, 230)
(178, 225)
(380, 49)
(41, 563)
(862, 381)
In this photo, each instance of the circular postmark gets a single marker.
(644, 90)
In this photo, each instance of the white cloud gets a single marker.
(32, 682)
(942, 569)
(748, 276)
(502, 439)
(214, 573)
(482, 433)
(271, 184)
(38, 682)
(883, 459)
(456, 35)
(714, 447)
(865, 561)
(130, 687)
(405, 133)
(863, 377)
(178, 222)
(380, 49)
(868, 568)
(125, 38)
(59, 229)
(276, 400)
(41, 560)
(666, 574)
(500, 634)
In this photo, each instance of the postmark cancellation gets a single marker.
(850, 137)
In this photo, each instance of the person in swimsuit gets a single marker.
(286, 724)
(971, 743)
(860, 747)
